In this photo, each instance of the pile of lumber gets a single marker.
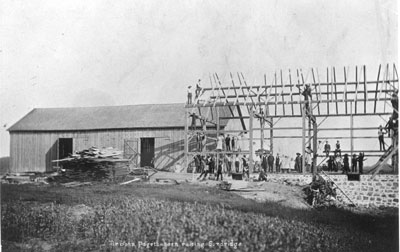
(93, 164)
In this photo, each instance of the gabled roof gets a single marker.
(106, 117)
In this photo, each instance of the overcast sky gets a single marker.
(91, 53)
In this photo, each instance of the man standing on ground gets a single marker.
(361, 160)
(219, 170)
(297, 162)
(271, 162)
(278, 163)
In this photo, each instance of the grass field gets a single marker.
(181, 217)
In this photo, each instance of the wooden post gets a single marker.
(262, 123)
(187, 141)
(303, 136)
(251, 166)
(351, 129)
(303, 142)
(271, 139)
(218, 129)
(315, 147)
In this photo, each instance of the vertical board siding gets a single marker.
(34, 151)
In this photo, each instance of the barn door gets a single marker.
(147, 152)
(64, 147)
(131, 151)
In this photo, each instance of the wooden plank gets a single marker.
(376, 90)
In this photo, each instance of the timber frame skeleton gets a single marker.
(271, 101)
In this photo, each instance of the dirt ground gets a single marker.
(290, 196)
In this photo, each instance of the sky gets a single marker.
(99, 52)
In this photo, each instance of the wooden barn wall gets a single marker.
(34, 151)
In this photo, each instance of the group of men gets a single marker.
(227, 164)
(268, 162)
(229, 143)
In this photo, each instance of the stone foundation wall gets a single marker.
(382, 190)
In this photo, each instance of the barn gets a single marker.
(149, 135)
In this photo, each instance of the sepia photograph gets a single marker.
(199, 125)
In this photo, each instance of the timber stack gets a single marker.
(93, 164)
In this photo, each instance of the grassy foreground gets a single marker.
(180, 218)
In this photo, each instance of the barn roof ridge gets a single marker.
(167, 115)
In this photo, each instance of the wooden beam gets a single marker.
(288, 94)
(248, 90)
(298, 86)
(291, 91)
(365, 89)
(278, 85)
(251, 167)
(186, 140)
(356, 95)
(334, 81)
(303, 141)
(241, 117)
(276, 96)
(237, 106)
(313, 75)
(376, 90)
(327, 90)
(240, 83)
(345, 88)
(229, 107)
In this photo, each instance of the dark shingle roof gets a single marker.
(107, 117)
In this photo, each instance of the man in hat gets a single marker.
(327, 148)
(278, 163)
(189, 95)
(271, 162)
(338, 150)
(297, 162)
